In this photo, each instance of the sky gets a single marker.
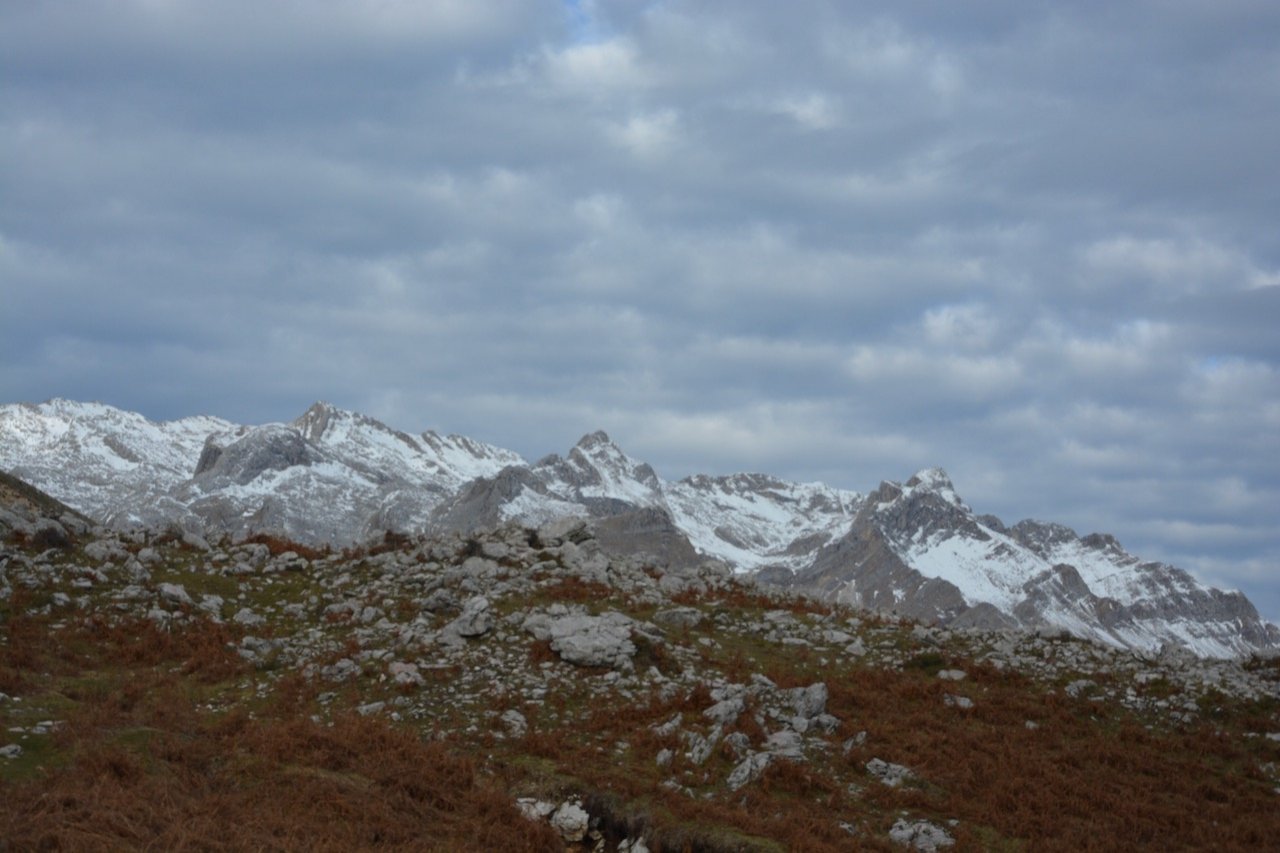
(1032, 243)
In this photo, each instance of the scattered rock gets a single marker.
(245, 616)
(176, 594)
(515, 723)
(920, 835)
(476, 620)
(726, 712)
(809, 701)
(405, 673)
(535, 809)
(678, 617)
(889, 774)
(571, 821)
(603, 640)
(749, 770)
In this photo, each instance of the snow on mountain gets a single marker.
(920, 549)
(596, 479)
(95, 457)
(330, 475)
(598, 470)
(754, 520)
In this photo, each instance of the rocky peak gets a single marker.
(599, 438)
(926, 505)
(1102, 542)
(934, 481)
(274, 447)
(596, 467)
(316, 420)
(1042, 537)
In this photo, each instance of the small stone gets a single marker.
(10, 751)
(173, 593)
(571, 821)
(921, 835)
(785, 744)
(889, 774)
(952, 674)
(857, 740)
(726, 712)
(809, 701)
(1076, 688)
(534, 809)
(856, 649)
(405, 673)
(678, 617)
(749, 770)
(515, 723)
(245, 616)
(476, 620)
(700, 748)
(963, 702)
(739, 743)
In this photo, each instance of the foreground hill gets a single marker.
(338, 478)
(529, 689)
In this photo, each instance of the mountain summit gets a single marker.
(333, 476)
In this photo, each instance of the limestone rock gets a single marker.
(476, 620)
(603, 640)
(920, 835)
(571, 821)
(749, 770)
(889, 774)
(175, 594)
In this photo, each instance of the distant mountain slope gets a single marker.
(97, 458)
(918, 549)
(333, 476)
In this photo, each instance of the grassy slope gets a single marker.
(167, 739)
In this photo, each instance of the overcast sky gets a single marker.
(1037, 244)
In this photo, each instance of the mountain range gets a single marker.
(338, 477)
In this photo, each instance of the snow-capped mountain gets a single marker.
(97, 458)
(333, 476)
(328, 476)
(754, 520)
(918, 549)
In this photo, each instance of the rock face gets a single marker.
(30, 514)
(337, 477)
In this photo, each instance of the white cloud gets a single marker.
(650, 136)
(968, 327)
(1177, 266)
(599, 69)
(813, 111)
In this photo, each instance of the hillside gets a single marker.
(528, 688)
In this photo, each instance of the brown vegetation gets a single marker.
(148, 764)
